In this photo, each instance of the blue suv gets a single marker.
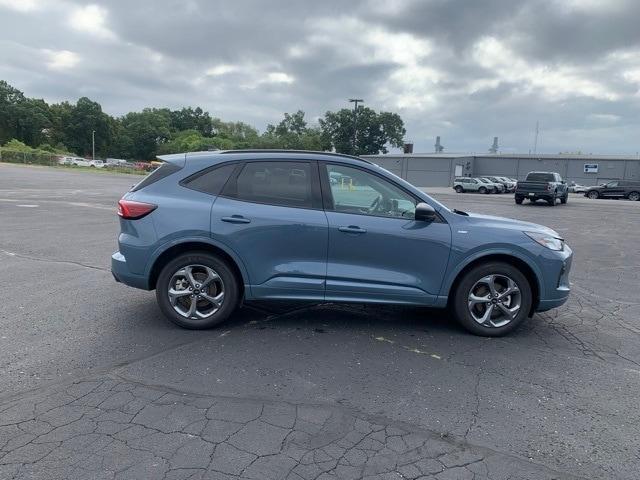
(208, 230)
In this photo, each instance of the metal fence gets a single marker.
(53, 160)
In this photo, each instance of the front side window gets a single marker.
(356, 191)
(275, 183)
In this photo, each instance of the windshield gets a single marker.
(484, 180)
(540, 177)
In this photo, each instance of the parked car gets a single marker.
(577, 188)
(80, 162)
(548, 186)
(210, 230)
(508, 184)
(65, 160)
(115, 161)
(616, 189)
(493, 186)
(468, 184)
(96, 163)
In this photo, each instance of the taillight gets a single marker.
(130, 210)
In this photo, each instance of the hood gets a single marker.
(502, 222)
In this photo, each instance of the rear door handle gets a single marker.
(235, 219)
(352, 229)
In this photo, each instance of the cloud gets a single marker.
(61, 59)
(466, 71)
(91, 19)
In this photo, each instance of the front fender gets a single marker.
(456, 266)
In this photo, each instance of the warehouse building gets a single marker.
(439, 169)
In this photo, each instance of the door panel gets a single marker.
(394, 260)
(284, 250)
(269, 214)
(377, 251)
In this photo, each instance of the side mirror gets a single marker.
(425, 212)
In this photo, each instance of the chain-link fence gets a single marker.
(69, 162)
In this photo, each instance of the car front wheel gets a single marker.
(197, 291)
(593, 195)
(492, 299)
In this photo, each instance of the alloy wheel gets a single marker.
(494, 300)
(196, 291)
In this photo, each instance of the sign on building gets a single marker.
(590, 168)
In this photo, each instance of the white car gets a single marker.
(96, 163)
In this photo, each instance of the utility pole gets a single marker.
(355, 102)
(93, 144)
(535, 141)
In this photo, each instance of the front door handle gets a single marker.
(235, 219)
(352, 229)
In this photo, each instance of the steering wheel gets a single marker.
(375, 204)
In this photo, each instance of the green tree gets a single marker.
(374, 131)
(141, 133)
(10, 98)
(191, 119)
(85, 117)
(294, 133)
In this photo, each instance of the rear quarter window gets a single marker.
(159, 173)
(210, 180)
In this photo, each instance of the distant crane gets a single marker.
(438, 146)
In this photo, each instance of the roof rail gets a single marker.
(279, 150)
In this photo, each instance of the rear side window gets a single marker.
(210, 181)
(159, 173)
(275, 183)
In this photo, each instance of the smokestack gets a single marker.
(408, 148)
(438, 146)
(494, 147)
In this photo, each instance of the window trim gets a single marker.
(327, 196)
(316, 196)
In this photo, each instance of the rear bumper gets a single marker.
(122, 274)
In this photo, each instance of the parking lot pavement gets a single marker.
(97, 384)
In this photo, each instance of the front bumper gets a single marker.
(556, 268)
(122, 274)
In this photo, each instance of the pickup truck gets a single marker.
(548, 186)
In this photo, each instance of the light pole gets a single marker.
(93, 144)
(355, 102)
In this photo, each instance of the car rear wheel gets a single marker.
(459, 189)
(519, 200)
(197, 291)
(482, 190)
(552, 201)
(564, 199)
(634, 196)
(492, 299)
(593, 195)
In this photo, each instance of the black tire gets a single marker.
(593, 195)
(460, 298)
(552, 201)
(519, 200)
(564, 199)
(459, 189)
(482, 190)
(229, 281)
(634, 196)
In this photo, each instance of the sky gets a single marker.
(464, 70)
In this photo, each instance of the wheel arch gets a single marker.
(529, 271)
(166, 254)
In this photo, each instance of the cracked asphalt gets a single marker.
(95, 383)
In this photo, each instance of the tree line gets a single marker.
(67, 128)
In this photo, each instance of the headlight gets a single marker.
(546, 240)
